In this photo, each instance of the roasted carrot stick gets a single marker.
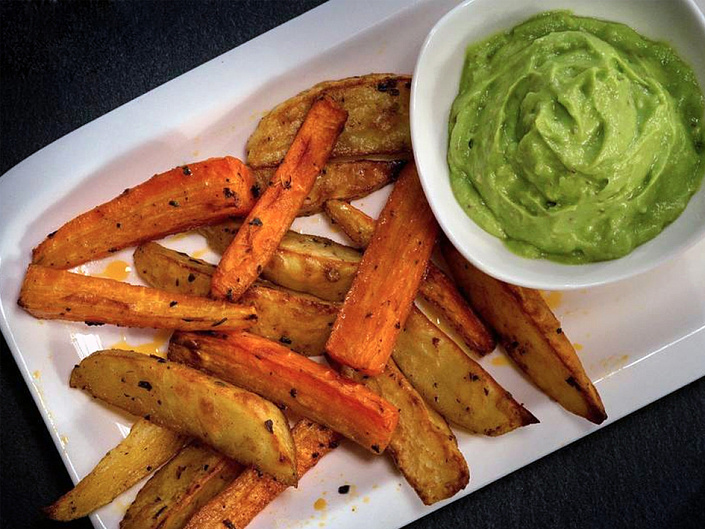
(387, 279)
(252, 491)
(436, 287)
(276, 209)
(282, 376)
(58, 294)
(184, 198)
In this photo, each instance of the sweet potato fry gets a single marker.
(306, 263)
(180, 488)
(252, 491)
(57, 294)
(531, 335)
(436, 288)
(146, 448)
(423, 447)
(277, 207)
(378, 105)
(237, 423)
(296, 320)
(453, 383)
(342, 180)
(307, 388)
(185, 197)
(388, 277)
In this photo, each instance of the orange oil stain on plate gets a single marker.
(117, 270)
(37, 375)
(151, 348)
(578, 346)
(199, 253)
(320, 504)
(553, 298)
(500, 360)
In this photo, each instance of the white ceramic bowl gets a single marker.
(435, 85)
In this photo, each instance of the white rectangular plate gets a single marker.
(639, 339)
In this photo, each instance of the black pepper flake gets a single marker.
(286, 184)
(473, 377)
(572, 382)
(368, 315)
(191, 278)
(269, 425)
(487, 391)
(375, 448)
(146, 418)
(559, 331)
(435, 341)
(112, 250)
(51, 234)
(551, 204)
(471, 143)
(255, 222)
(293, 393)
(186, 170)
(333, 444)
(219, 322)
(230, 525)
(145, 385)
(229, 294)
(173, 303)
(315, 455)
(251, 317)
(205, 467)
(387, 86)
(285, 340)
(118, 225)
(94, 323)
(228, 193)
(255, 190)
(156, 515)
(174, 203)
(343, 489)
(149, 468)
(397, 325)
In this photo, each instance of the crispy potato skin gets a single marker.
(436, 288)
(378, 106)
(531, 335)
(342, 180)
(380, 298)
(270, 218)
(147, 446)
(180, 488)
(252, 491)
(172, 271)
(453, 383)
(307, 388)
(57, 294)
(237, 423)
(423, 446)
(184, 198)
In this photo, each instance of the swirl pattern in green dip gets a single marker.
(575, 139)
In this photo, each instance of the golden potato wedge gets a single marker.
(306, 263)
(252, 491)
(180, 488)
(453, 383)
(146, 448)
(436, 288)
(423, 447)
(57, 294)
(531, 335)
(378, 123)
(297, 320)
(342, 180)
(237, 423)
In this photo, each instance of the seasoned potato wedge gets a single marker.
(58, 294)
(237, 423)
(423, 446)
(342, 180)
(436, 288)
(378, 123)
(299, 321)
(185, 197)
(531, 336)
(180, 488)
(252, 491)
(306, 263)
(309, 389)
(453, 383)
(147, 447)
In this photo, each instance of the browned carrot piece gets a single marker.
(282, 376)
(387, 279)
(276, 209)
(57, 294)
(184, 198)
(252, 491)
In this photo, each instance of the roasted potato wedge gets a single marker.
(423, 446)
(252, 491)
(172, 271)
(147, 447)
(180, 488)
(531, 335)
(57, 294)
(453, 383)
(384, 288)
(309, 389)
(185, 197)
(342, 180)
(237, 423)
(378, 109)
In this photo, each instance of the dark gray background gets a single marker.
(64, 64)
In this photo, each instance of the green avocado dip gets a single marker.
(575, 139)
